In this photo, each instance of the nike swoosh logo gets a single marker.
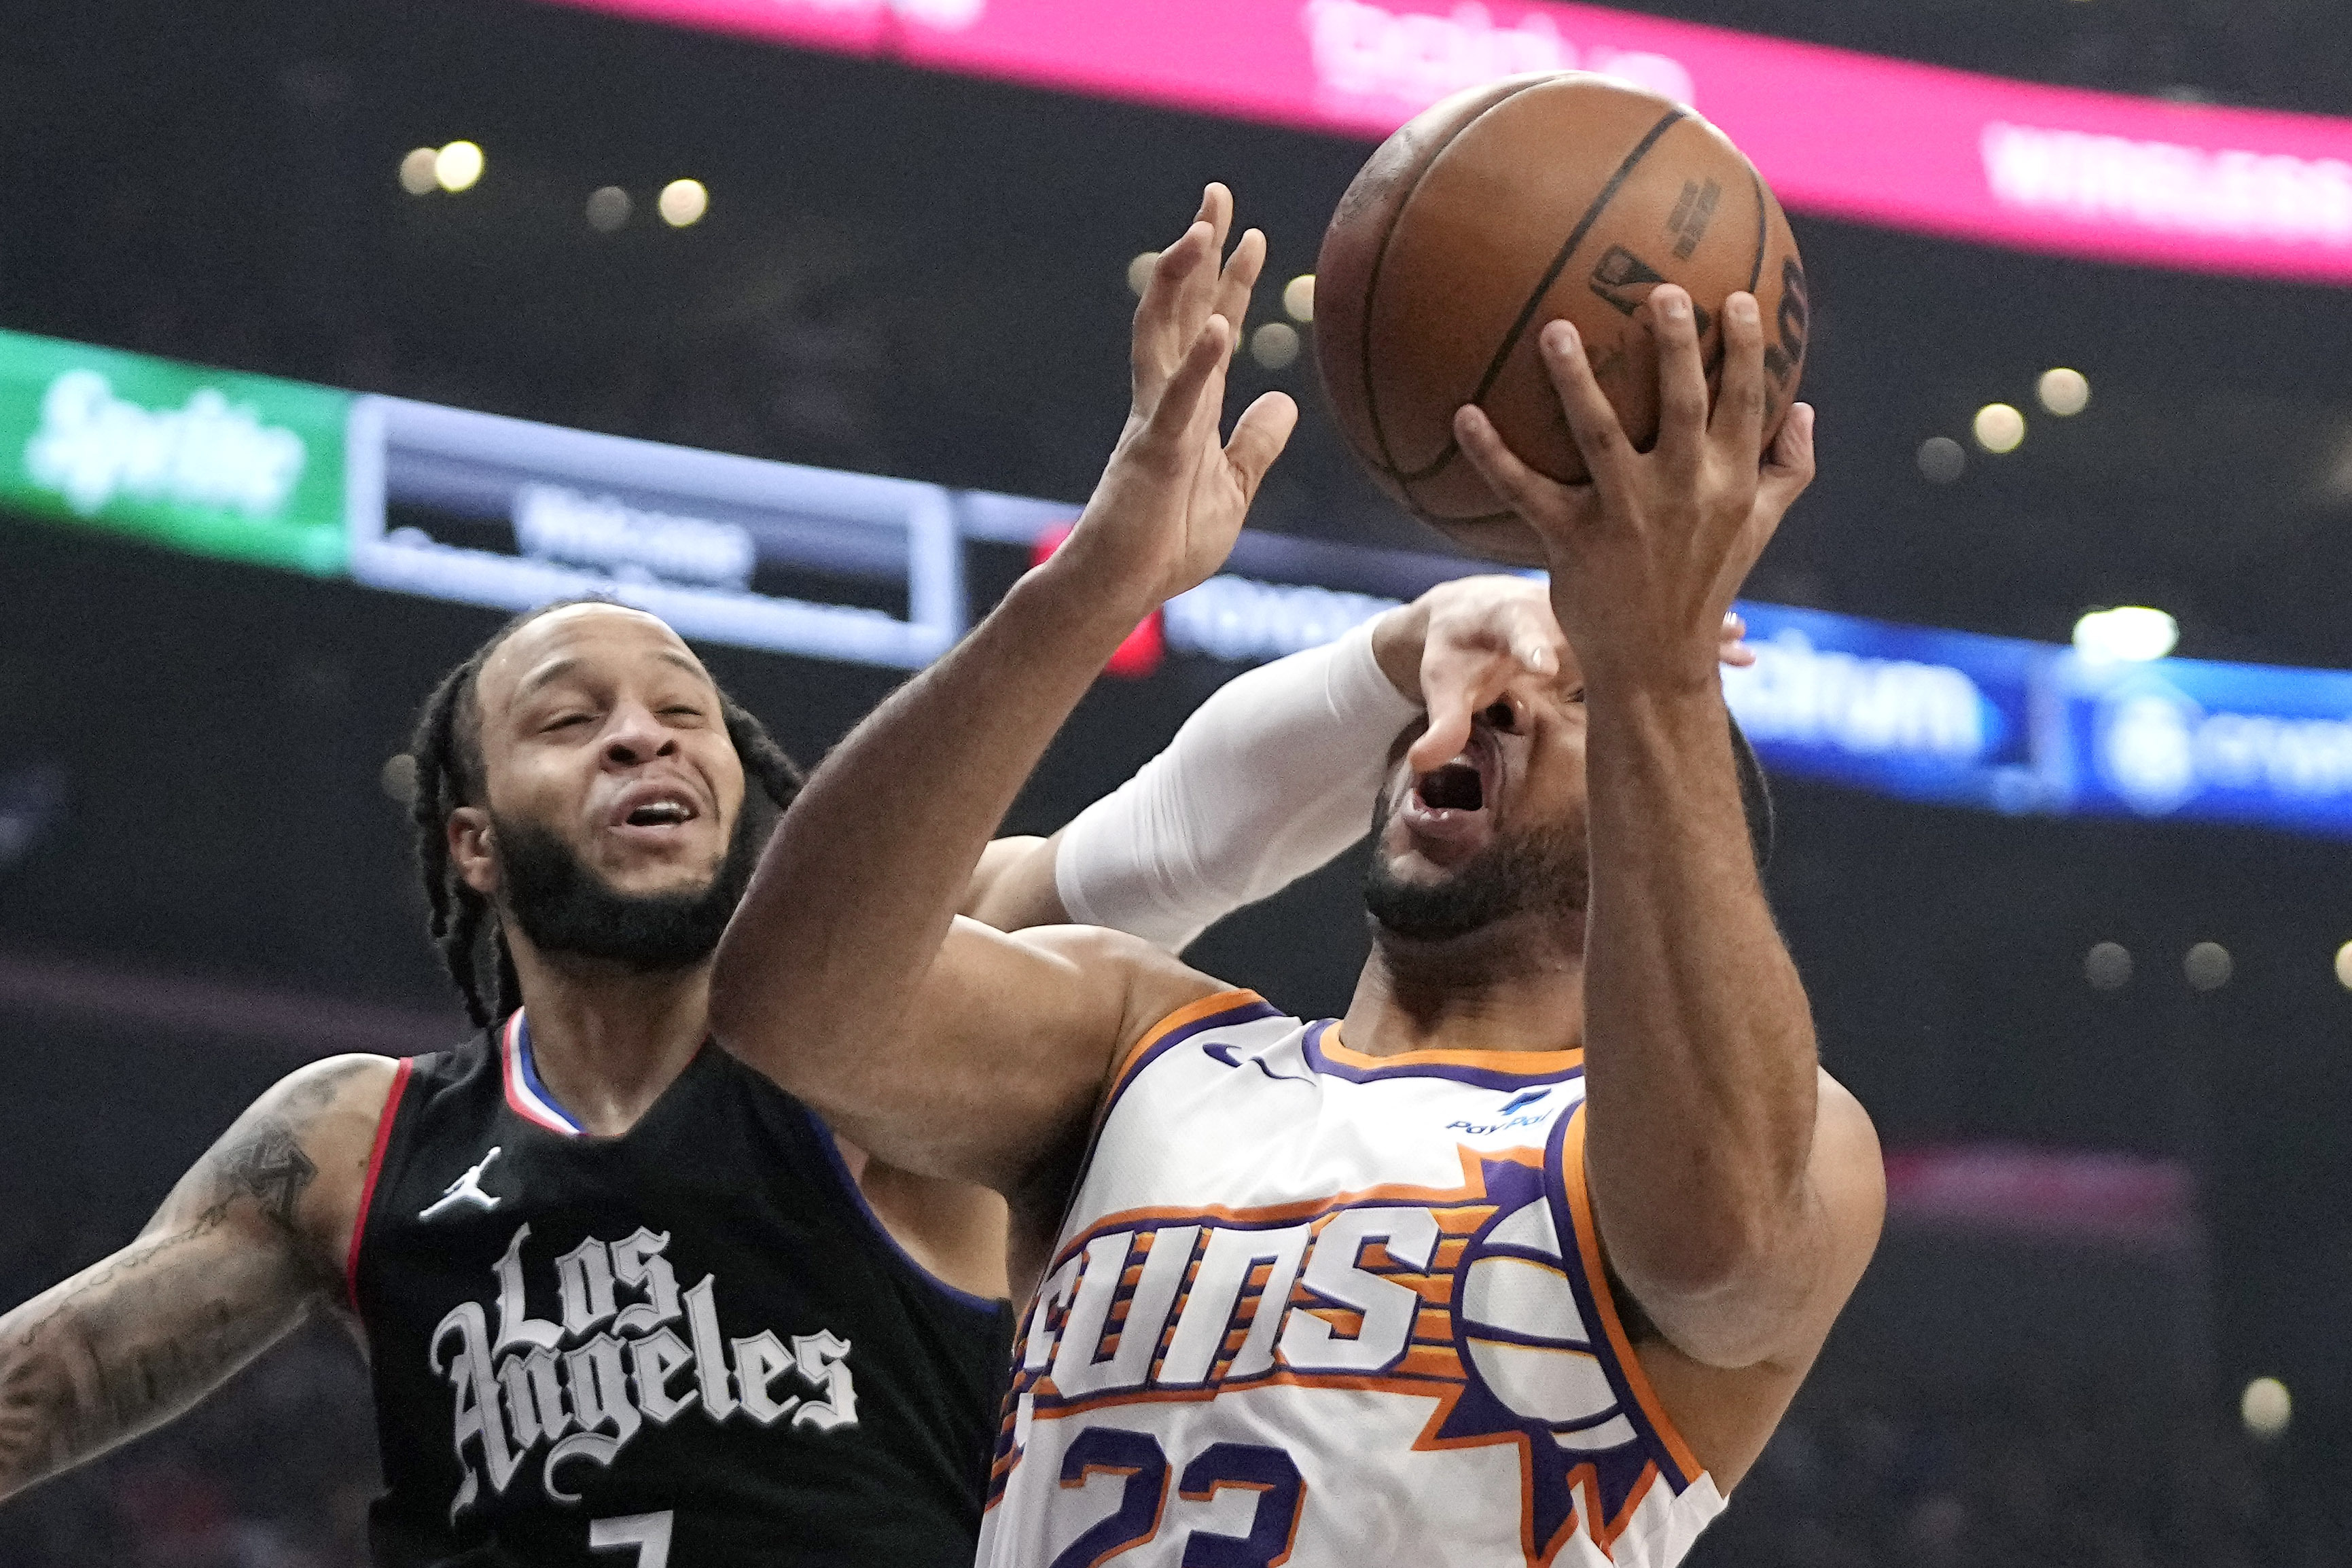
(1223, 1052)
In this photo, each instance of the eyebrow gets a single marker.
(547, 674)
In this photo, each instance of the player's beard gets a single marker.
(564, 906)
(1541, 870)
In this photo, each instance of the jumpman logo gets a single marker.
(465, 1189)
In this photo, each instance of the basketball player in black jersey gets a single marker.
(624, 1300)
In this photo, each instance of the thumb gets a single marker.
(1259, 437)
(1452, 697)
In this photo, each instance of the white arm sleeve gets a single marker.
(1274, 775)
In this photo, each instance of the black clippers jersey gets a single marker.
(691, 1346)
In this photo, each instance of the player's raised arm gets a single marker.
(940, 1047)
(1266, 781)
(245, 1246)
(1738, 1191)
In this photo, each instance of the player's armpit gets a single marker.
(1000, 1059)
(1012, 886)
(244, 1247)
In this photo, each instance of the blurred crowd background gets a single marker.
(203, 878)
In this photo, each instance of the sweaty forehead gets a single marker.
(598, 643)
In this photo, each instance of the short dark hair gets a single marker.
(446, 756)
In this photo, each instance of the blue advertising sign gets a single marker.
(469, 507)
(2209, 742)
(1905, 711)
(2017, 726)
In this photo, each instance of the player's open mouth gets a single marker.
(1453, 787)
(1449, 808)
(657, 808)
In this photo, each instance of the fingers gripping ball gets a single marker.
(1516, 204)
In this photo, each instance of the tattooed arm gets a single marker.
(248, 1243)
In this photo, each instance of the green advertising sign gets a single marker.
(213, 462)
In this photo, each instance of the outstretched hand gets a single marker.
(1647, 555)
(1174, 495)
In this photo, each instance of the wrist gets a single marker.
(1399, 638)
(1647, 693)
(1086, 607)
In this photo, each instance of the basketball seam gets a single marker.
(1763, 229)
(1380, 260)
(1576, 238)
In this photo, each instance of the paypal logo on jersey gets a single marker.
(1504, 1119)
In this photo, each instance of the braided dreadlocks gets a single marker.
(446, 752)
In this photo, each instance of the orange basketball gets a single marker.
(1513, 204)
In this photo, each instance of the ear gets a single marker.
(473, 851)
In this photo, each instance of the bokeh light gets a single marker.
(1942, 460)
(2266, 1407)
(682, 203)
(2132, 632)
(416, 172)
(1299, 298)
(459, 166)
(2064, 392)
(2000, 427)
(608, 208)
(1275, 345)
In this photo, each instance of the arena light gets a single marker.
(458, 166)
(2133, 633)
(2266, 1407)
(682, 203)
(2062, 391)
(1275, 345)
(2207, 967)
(417, 175)
(608, 208)
(2108, 966)
(1299, 298)
(1942, 460)
(2000, 427)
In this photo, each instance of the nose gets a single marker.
(633, 737)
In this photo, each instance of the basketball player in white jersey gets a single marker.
(589, 803)
(1521, 1261)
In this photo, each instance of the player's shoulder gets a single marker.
(1156, 982)
(334, 1100)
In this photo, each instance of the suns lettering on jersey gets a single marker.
(584, 1384)
(1467, 1295)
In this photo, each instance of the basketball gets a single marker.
(1505, 208)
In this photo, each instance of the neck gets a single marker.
(607, 1040)
(1517, 985)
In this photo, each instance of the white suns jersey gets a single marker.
(1315, 1308)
